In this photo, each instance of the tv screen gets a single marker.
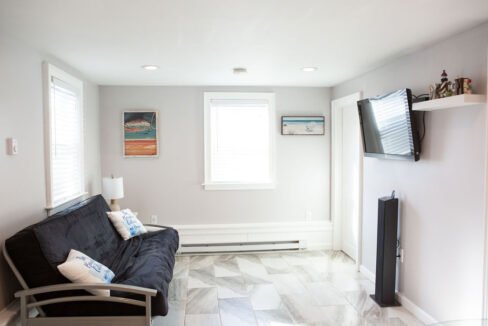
(388, 126)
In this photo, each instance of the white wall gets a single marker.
(22, 177)
(170, 186)
(442, 195)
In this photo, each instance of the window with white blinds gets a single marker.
(65, 129)
(239, 142)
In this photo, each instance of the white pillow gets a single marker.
(126, 223)
(79, 268)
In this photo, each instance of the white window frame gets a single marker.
(270, 98)
(49, 72)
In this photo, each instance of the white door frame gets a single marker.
(485, 263)
(336, 132)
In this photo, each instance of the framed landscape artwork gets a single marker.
(302, 125)
(140, 134)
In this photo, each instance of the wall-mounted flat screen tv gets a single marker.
(388, 126)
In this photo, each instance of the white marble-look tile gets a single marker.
(294, 258)
(178, 288)
(232, 287)
(203, 320)
(201, 261)
(313, 254)
(340, 263)
(287, 283)
(182, 258)
(303, 308)
(256, 279)
(251, 257)
(269, 254)
(346, 282)
(201, 278)
(279, 317)
(265, 297)
(175, 316)
(309, 274)
(202, 301)
(375, 315)
(182, 265)
(342, 315)
(226, 267)
(361, 301)
(275, 264)
(236, 312)
(395, 313)
(325, 294)
(321, 264)
(251, 265)
(319, 288)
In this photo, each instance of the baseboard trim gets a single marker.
(312, 235)
(415, 310)
(367, 273)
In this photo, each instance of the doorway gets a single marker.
(347, 175)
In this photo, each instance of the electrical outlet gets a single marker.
(154, 219)
(402, 255)
(308, 215)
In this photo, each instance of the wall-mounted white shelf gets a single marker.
(450, 102)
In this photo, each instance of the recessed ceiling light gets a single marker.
(150, 67)
(309, 69)
(239, 71)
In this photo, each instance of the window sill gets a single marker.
(65, 203)
(239, 186)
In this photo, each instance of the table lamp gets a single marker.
(113, 188)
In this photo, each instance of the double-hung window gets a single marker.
(64, 137)
(239, 141)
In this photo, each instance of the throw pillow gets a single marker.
(79, 268)
(126, 223)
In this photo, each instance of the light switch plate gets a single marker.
(12, 146)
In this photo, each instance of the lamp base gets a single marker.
(114, 206)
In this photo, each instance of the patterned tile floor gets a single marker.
(274, 289)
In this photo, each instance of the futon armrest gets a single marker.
(27, 303)
(86, 286)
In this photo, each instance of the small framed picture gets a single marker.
(302, 125)
(140, 133)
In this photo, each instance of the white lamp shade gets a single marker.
(113, 188)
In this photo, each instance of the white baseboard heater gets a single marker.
(243, 246)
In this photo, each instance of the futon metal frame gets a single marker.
(28, 302)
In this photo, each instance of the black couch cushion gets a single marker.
(85, 228)
(151, 266)
(146, 261)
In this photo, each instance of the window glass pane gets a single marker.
(240, 142)
(66, 146)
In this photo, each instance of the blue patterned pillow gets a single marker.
(79, 268)
(126, 223)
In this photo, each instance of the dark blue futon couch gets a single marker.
(144, 261)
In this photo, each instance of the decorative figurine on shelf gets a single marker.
(445, 88)
(467, 88)
(433, 91)
(463, 86)
(454, 87)
(444, 76)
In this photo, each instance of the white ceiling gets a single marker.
(198, 42)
